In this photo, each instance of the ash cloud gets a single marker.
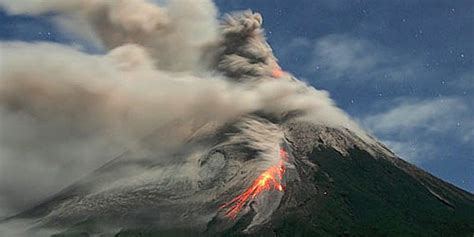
(169, 71)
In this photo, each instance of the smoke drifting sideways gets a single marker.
(169, 69)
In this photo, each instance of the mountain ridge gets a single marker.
(339, 185)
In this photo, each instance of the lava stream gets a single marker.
(270, 179)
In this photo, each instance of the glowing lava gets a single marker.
(270, 179)
(277, 73)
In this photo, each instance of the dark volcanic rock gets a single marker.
(348, 187)
(341, 185)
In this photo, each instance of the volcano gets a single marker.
(338, 185)
(258, 174)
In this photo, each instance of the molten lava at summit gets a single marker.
(270, 179)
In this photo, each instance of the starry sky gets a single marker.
(404, 69)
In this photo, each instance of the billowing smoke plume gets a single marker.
(171, 73)
(245, 54)
(173, 35)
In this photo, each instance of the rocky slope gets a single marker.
(347, 187)
(336, 184)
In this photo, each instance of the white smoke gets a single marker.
(64, 113)
(173, 34)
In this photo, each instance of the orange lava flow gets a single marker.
(277, 73)
(270, 179)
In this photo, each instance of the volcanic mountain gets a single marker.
(264, 173)
(338, 185)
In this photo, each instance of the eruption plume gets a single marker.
(165, 108)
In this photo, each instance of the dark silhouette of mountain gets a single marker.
(350, 188)
(341, 185)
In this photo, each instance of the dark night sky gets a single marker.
(403, 69)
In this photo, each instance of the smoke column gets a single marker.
(168, 71)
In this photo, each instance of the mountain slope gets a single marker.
(350, 188)
(340, 185)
